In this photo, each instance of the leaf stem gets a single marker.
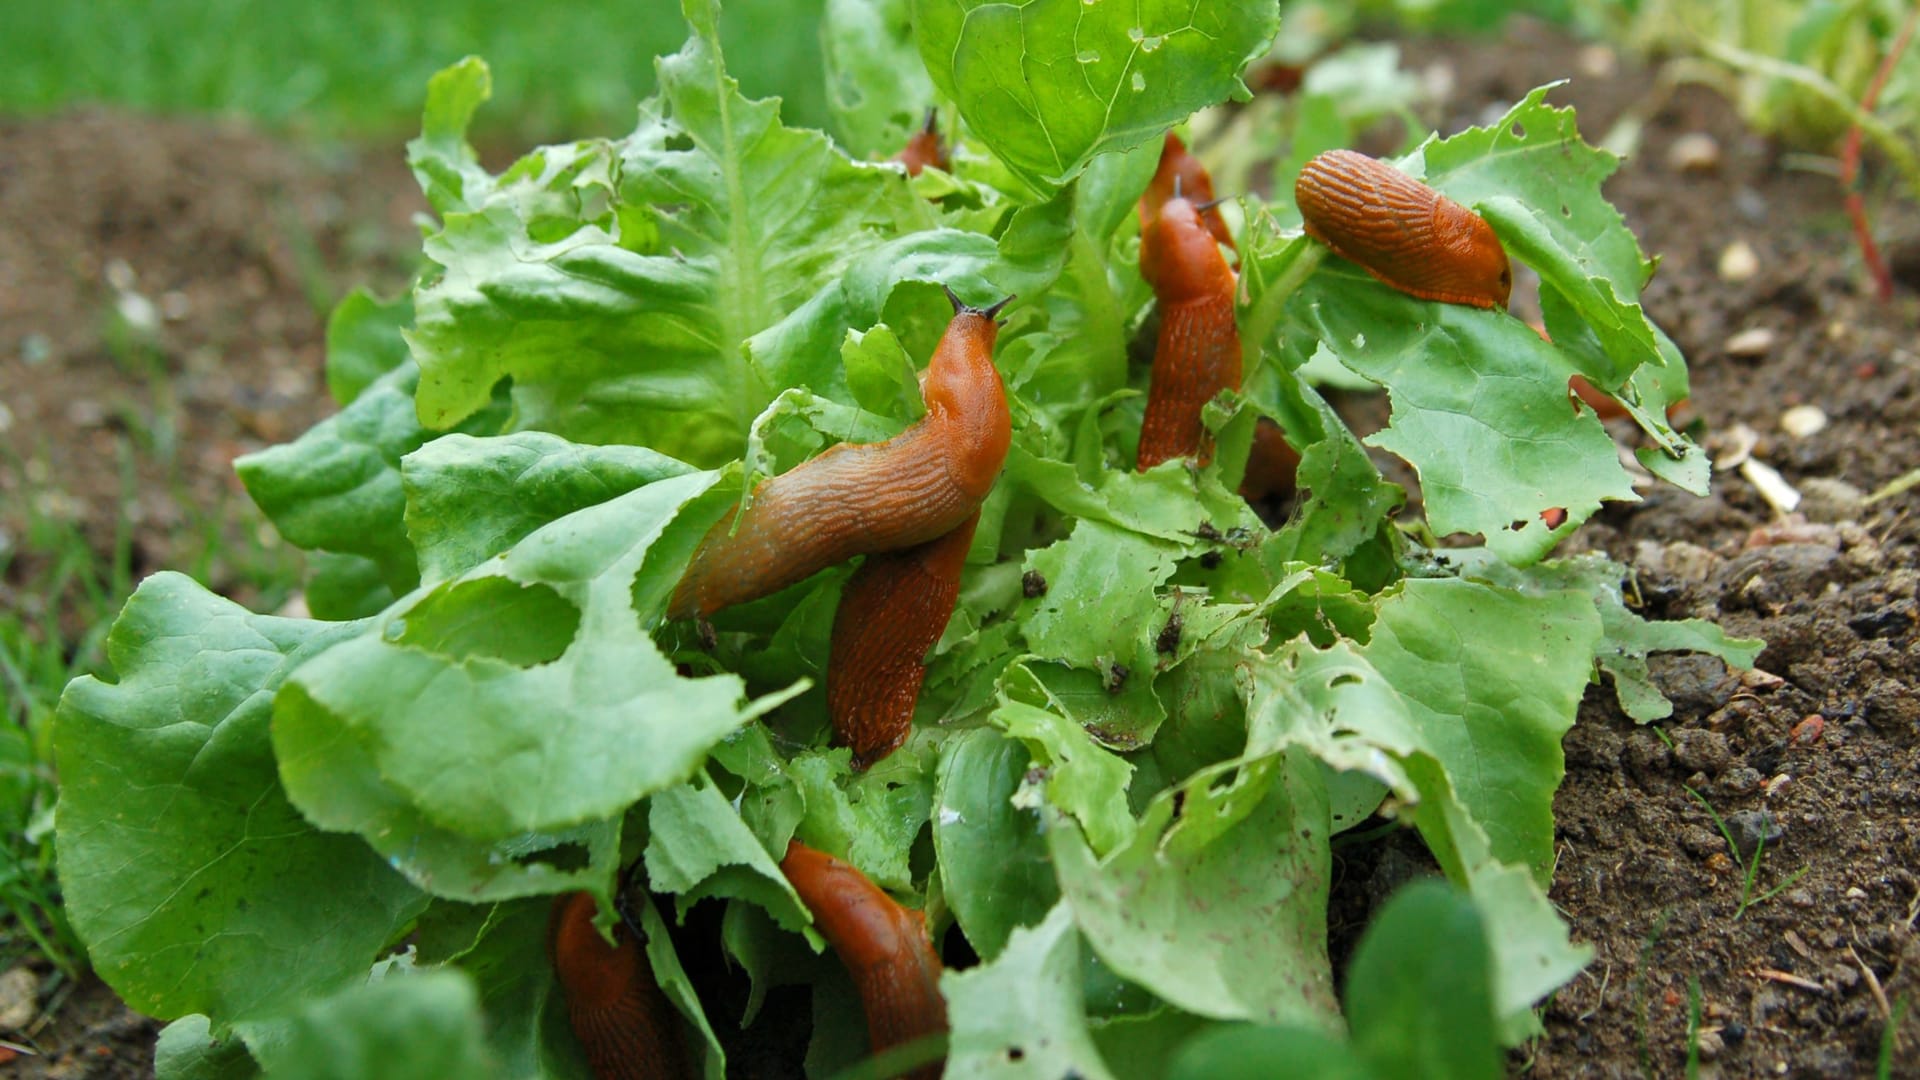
(1850, 163)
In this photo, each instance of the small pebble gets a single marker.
(1802, 421)
(19, 999)
(1694, 152)
(1738, 262)
(1751, 343)
(1750, 827)
(1598, 61)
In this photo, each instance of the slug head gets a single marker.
(1180, 257)
(1181, 175)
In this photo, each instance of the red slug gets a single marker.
(624, 1022)
(883, 945)
(1180, 173)
(1198, 353)
(891, 614)
(867, 498)
(1402, 231)
(924, 148)
(1272, 465)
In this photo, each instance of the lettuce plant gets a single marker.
(308, 837)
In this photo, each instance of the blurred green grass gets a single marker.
(359, 67)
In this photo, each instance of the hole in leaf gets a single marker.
(1519, 130)
(523, 625)
(1015, 1053)
(679, 141)
(568, 858)
(1345, 678)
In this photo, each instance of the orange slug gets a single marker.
(883, 945)
(624, 1022)
(1181, 174)
(1198, 352)
(924, 148)
(1402, 231)
(892, 612)
(866, 498)
(1272, 465)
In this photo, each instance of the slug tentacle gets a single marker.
(1181, 175)
(1401, 231)
(884, 946)
(864, 498)
(924, 148)
(626, 1025)
(891, 614)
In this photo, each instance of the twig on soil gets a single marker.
(1873, 984)
(25, 1051)
(1789, 978)
(1904, 482)
(1850, 163)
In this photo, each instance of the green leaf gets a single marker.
(1082, 778)
(871, 820)
(992, 854)
(1419, 996)
(331, 774)
(1047, 84)
(399, 1027)
(1492, 679)
(552, 726)
(617, 282)
(877, 89)
(187, 1050)
(364, 342)
(1219, 903)
(1335, 704)
(1626, 638)
(1479, 409)
(1019, 1015)
(447, 168)
(470, 499)
(1246, 1052)
(196, 887)
(1532, 955)
(697, 847)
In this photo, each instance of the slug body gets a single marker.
(866, 498)
(1198, 352)
(924, 148)
(1401, 231)
(1181, 174)
(624, 1022)
(1273, 466)
(883, 945)
(892, 612)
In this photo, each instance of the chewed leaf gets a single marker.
(492, 741)
(1479, 408)
(1047, 85)
(1219, 902)
(1021, 1015)
(1626, 639)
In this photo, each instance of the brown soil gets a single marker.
(1797, 985)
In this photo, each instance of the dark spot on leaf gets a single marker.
(1014, 1053)
(1032, 584)
(1117, 678)
(1206, 531)
(1169, 639)
(1211, 559)
(1179, 802)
